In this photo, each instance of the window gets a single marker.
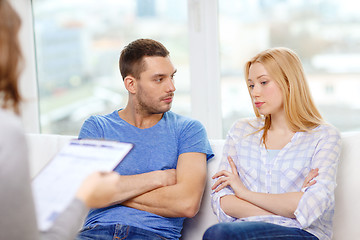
(78, 45)
(324, 35)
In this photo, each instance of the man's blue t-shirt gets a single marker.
(155, 148)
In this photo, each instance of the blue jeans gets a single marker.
(255, 230)
(116, 232)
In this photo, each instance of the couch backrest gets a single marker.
(347, 193)
(42, 147)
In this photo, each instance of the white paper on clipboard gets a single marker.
(57, 183)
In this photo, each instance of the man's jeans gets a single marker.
(116, 232)
(255, 230)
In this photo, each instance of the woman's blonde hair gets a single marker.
(10, 57)
(285, 68)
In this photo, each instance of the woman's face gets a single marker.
(265, 92)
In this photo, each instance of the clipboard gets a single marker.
(57, 183)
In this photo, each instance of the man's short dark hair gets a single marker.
(131, 58)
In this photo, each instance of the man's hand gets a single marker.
(166, 177)
(180, 197)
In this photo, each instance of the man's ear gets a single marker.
(130, 84)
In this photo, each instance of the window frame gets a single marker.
(28, 81)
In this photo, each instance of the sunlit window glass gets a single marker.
(323, 33)
(78, 45)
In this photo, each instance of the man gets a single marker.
(167, 166)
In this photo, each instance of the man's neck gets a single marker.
(139, 119)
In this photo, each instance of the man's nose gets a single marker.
(171, 85)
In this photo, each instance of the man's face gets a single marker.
(155, 88)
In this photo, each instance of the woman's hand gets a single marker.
(231, 179)
(309, 180)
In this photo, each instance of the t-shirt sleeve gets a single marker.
(91, 129)
(193, 138)
(320, 196)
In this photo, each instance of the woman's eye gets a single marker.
(264, 82)
(251, 86)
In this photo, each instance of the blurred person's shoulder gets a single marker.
(10, 125)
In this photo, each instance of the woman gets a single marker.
(264, 189)
(18, 220)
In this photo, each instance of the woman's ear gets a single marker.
(130, 84)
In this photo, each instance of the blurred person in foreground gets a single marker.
(18, 217)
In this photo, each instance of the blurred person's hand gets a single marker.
(99, 189)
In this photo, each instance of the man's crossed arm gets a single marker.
(168, 193)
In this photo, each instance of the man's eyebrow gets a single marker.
(163, 74)
(159, 75)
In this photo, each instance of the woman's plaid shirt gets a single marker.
(319, 148)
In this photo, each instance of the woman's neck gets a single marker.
(279, 123)
(279, 133)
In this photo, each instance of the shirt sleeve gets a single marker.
(193, 138)
(90, 129)
(320, 197)
(68, 224)
(228, 150)
(18, 217)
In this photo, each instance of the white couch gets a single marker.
(42, 148)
